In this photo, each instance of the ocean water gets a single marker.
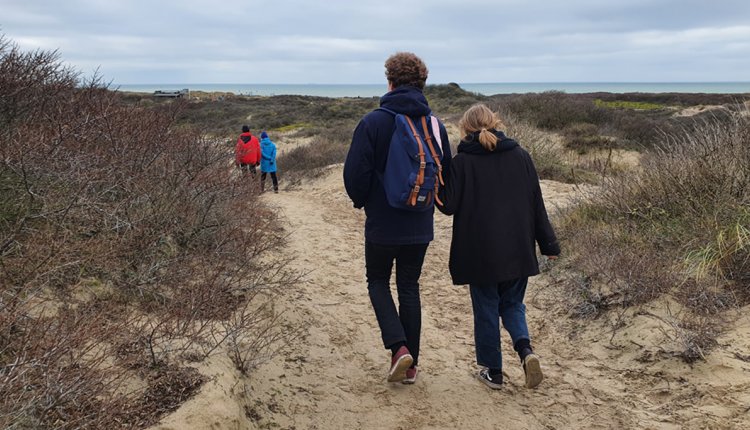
(376, 90)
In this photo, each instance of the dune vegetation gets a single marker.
(131, 250)
(128, 251)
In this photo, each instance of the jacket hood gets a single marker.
(471, 145)
(246, 137)
(406, 100)
(265, 141)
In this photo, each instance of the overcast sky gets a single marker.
(347, 41)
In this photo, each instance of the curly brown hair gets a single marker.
(405, 68)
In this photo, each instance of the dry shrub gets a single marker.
(325, 149)
(256, 334)
(630, 127)
(696, 336)
(450, 98)
(126, 243)
(555, 110)
(549, 157)
(583, 137)
(680, 224)
(168, 388)
(54, 369)
(223, 118)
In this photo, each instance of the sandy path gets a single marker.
(334, 378)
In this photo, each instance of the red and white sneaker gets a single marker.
(400, 362)
(411, 375)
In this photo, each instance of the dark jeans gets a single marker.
(405, 324)
(491, 303)
(250, 168)
(274, 179)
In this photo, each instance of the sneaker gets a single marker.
(533, 370)
(411, 375)
(400, 362)
(494, 382)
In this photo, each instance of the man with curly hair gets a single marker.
(393, 234)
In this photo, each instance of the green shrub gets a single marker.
(624, 104)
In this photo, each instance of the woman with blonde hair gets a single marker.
(498, 216)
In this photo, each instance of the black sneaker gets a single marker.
(494, 382)
(533, 371)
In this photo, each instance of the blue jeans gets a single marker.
(405, 324)
(492, 303)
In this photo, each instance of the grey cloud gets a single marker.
(300, 41)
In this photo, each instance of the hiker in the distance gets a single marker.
(498, 218)
(247, 151)
(268, 162)
(392, 233)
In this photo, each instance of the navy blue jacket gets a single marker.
(498, 214)
(365, 164)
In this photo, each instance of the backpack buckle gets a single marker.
(422, 164)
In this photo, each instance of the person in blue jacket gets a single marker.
(393, 234)
(268, 162)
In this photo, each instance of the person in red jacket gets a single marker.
(247, 151)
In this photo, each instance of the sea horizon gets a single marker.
(376, 90)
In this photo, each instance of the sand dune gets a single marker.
(334, 378)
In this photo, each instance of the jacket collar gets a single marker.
(470, 144)
(407, 100)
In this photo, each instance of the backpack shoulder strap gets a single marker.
(436, 131)
(435, 158)
(422, 164)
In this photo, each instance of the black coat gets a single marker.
(498, 214)
(365, 164)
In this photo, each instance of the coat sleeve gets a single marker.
(266, 152)
(447, 156)
(543, 231)
(256, 147)
(237, 152)
(359, 167)
(454, 188)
